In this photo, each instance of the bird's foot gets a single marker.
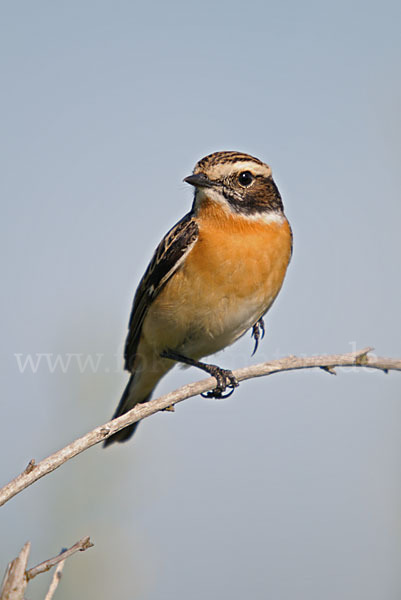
(258, 332)
(225, 379)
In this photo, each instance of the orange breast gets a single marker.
(239, 256)
(228, 281)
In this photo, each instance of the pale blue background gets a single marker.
(292, 487)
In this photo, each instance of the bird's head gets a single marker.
(238, 182)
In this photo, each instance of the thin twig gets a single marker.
(44, 566)
(55, 580)
(141, 411)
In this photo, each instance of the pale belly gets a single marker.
(198, 329)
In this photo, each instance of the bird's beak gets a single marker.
(198, 180)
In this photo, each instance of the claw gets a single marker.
(217, 394)
(258, 332)
(225, 379)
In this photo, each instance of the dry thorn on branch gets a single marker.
(360, 358)
(30, 466)
(330, 370)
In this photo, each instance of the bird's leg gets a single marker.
(258, 332)
(224, 377)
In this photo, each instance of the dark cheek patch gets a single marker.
(262, 196)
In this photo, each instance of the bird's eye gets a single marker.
(245, 178)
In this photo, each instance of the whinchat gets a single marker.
(213, 276)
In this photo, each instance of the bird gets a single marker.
(212, 278)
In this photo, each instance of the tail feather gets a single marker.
(125, 404)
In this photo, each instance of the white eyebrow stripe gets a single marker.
(254, 167)
(222, 170)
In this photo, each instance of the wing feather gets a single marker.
(168, 257)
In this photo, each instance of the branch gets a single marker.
(46, 565)
(16, 576)
(34, 471)
(15, 582)
(55, 580)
